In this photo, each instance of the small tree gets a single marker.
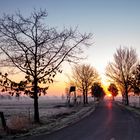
(97, 90)
(113, 89)
(37, 50)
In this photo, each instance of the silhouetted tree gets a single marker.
(37, 50)
(97, 90)
(113, 89)
(120, 71)
(84, 76)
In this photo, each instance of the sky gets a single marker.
(113, 23)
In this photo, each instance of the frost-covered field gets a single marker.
(19, 112)
(133, 100)
(23, 106)
(12, 106)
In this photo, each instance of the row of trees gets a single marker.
(84, 77)
(87, 81)
(37, 50)
(124, 72)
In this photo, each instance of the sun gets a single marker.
(109, 95)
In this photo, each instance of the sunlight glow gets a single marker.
(109, 95)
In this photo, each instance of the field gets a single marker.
(134, 101)
(19, 112)
(23, 107)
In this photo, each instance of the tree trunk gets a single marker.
(86, 98)
(68, 98)
(126, 96)
(36, 110)
(75, 97)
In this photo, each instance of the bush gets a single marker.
(18, 123)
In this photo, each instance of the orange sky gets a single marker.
(57, 88)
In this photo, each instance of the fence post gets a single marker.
(139, 100)
(3, 120)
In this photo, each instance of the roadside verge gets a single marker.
(130, 108)
(58, 122)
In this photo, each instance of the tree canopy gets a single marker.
(97, 90)
(113, 89)
(84, 75)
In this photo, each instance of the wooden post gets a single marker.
(3, 120)
(75, 99)
(139, 100)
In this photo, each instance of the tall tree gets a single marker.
(113, 89)
(36, 49)
(120, 70)
(84, 76)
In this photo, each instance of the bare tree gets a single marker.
(84, 77)
(120, 71)
(37, 50)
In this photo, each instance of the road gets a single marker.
(108, 122)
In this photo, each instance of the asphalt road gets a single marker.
(108, 122)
